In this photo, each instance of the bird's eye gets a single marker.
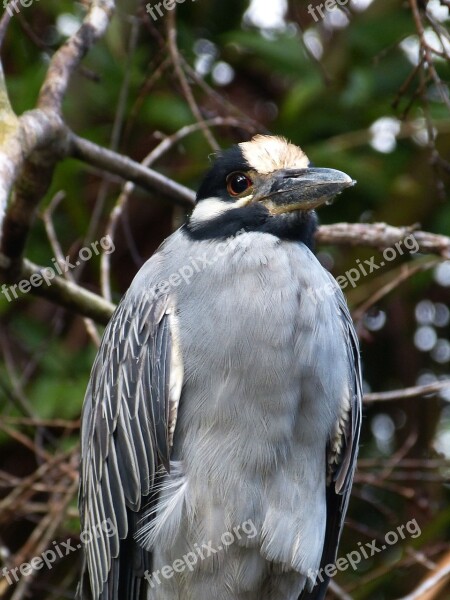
(237, 183)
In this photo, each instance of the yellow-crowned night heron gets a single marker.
(221, 422)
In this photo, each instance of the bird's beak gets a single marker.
(304, 189)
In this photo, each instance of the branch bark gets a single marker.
(70, 295)
(130, 170)
(33, 144)
(66, 60)
(411, 392)
(381, 236)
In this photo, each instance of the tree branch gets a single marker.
(381, 236)
(32, 145)
(181, 76)
(70, 295)
(67, 58)
(411, 392)
(88, 304)
(130, 170)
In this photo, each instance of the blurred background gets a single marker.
(363, 88)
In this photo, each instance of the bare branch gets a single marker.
(131, 171)
(425, 589)
(70, 295)
(59, 255)
(37, 422)
(166, 144)
(249, 124)
(88, 304)
(32, 145)
(381, 236)
(43, 533)
(338, 591)
(28, 153)
(387, 282)
(428, 53)
(186, 88)
(68, 57)
(411, 392)
(171, 140)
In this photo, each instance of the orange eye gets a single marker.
(237, 183)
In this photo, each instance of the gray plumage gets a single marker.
(228, 397)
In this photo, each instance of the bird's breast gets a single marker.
(264, 376)
(263, 356)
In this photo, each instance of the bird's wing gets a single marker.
(128, 421)
(341, 452)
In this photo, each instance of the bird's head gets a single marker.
(264, 185)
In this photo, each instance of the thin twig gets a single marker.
(431, 582)
(171, 140)
(164, 146)
(67, 58)
(338, 591)
(410, 392)
(42, 536)
(186, 88)
(427, 51)
(60, 258)
(38, 422)
(395, 278)
(248, 124)
(119, 119)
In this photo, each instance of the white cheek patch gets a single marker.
(206, 210)
(209, 209)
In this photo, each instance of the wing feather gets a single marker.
(125, 440)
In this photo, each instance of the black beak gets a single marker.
(305, 189)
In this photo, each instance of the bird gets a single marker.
(221, 421)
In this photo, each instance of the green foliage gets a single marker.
(328, 106)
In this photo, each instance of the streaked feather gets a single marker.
(125, 440)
